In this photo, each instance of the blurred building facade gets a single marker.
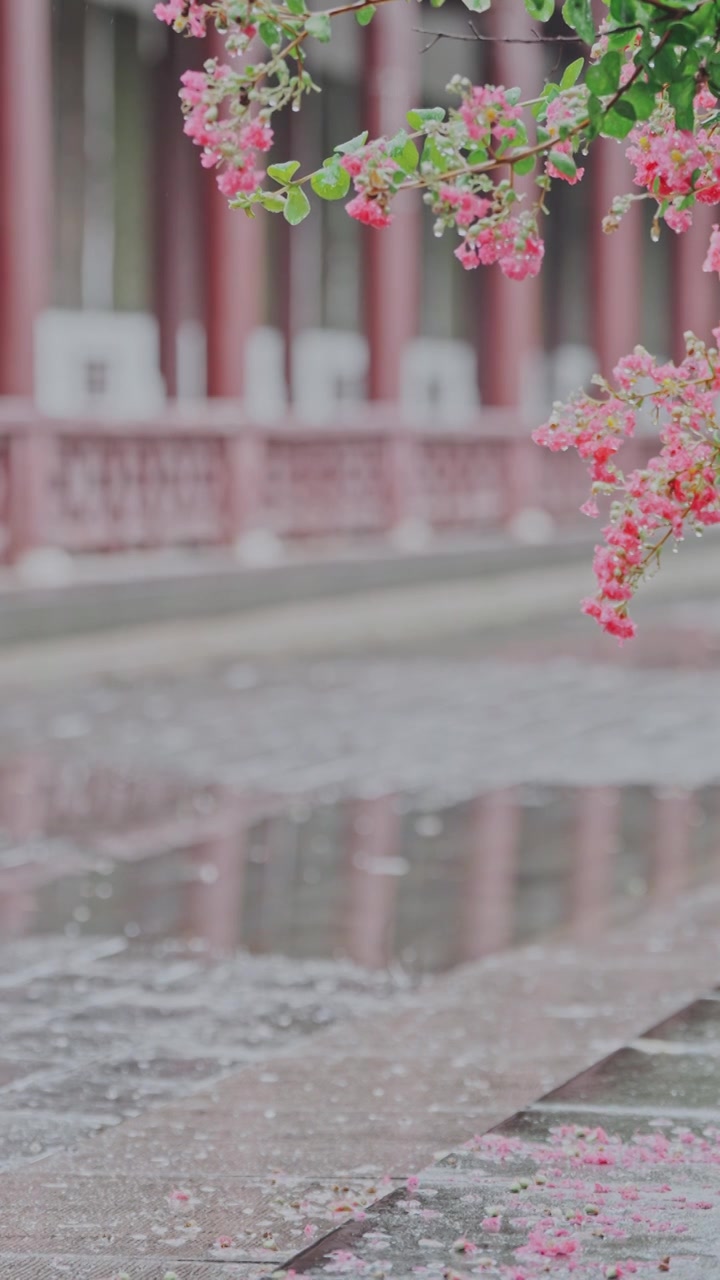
(105, 212)
(173, 373)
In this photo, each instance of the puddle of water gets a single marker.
(375, 880)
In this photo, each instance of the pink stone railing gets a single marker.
(98, 486)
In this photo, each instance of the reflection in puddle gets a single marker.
(375, 880)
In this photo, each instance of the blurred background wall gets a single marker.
(105, 210)
(130, 292)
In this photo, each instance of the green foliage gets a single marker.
(563, 163)
(572, 73)
(365, 15)
(297, 206)
(283, 173)
(578, 15)
(419, 117)
(540, 10)
(355, 144)
(404, 152)
(319, 26)
(332, 182)
(603, 77)
(477, 6)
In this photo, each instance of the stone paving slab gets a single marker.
(649, 1081)
(337, 726)
(22, 1266)
(697, 1026)
(206, 1218)
(307, 1107)
(604, 1177)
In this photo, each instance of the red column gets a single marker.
(593, 858)
(235, 266)
(488, 904)
(616, 258)
(216, 897)
(392, 255)
(512, 333)
(374, 840)
(696, 293)
(29, 490)
(26, 166)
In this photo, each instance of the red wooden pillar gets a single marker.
(594, 854)
(26, 166)
(374, 838)
(235, 266)
(512, 333)
(616, 258)
(488, 915)
(392, 254)
(216, 897)
(696, 294)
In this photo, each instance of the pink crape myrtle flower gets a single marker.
(371, 212)
(712, 261)
(182, 13)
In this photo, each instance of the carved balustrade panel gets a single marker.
(564, 486)
(325, 486)
(115, 492)
(463, 482)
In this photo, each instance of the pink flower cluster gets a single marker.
(680, 486)
(489, 116)
(677, 167)
(190, 15)
(564, 113)
(511, 241)
(229, 145)
(376, 177)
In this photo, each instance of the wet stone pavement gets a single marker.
(274, 937)
(615, 1174)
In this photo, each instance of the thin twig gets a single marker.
(478, 35)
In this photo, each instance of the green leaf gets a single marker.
(432, 155)
(603, 77)
(540, 10)
(437, 4)
(355, 144)
(297, 7)
(366, 15)
(477, 6)
(297, 206)
(563, 163)
(682, 96)
(625, 11)
(420, 116)
(408, 158)
(618, 122)
(318, 25)
(269, 33)
(404, 152)
(642, 99)
(273, 203)
(527, 165)
(283, 172)
(332, 182)
(578, 15)
(572, 73)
